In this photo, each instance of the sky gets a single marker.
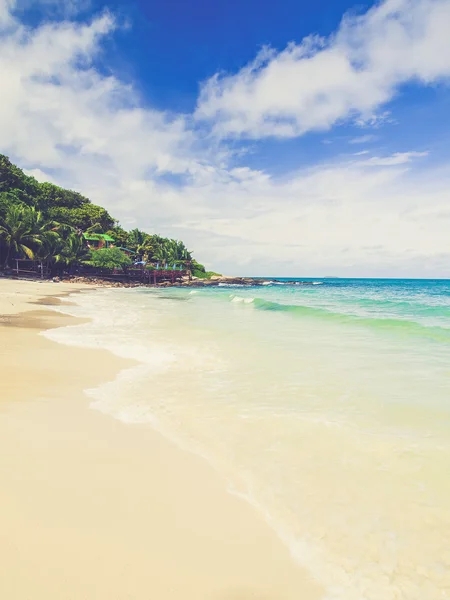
(283, 138)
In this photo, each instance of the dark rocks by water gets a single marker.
(241, 281)
(184, 282)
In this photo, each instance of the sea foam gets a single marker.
(344, 446)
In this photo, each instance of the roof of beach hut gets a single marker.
(98, 236)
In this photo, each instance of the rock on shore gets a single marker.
(184, 282)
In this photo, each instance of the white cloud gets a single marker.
(320, 82)
(345, 218)
(5, 12)
(90, 131)
(65, 8)
(39, 175)
(399, 158)
(363, 139)
(59, 114)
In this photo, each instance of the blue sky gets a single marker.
(289, 138)
(177, 44)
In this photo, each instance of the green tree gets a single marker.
(170, 252)
(136, 237)
(23, 231)
(120, 236)
(12, 178)
(160, 253)
(198, 270)
(150, 246)
(146, 249)
(184, 256)
(51, 196)
(88, 217)
(140, 242)
(109, 258)
(19, 191)
(67, 206)
(69, 251)
(8, 199)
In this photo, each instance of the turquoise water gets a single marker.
(326, 406)
(414, 304)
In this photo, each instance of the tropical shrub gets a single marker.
(108, 258)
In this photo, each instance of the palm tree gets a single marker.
(160, 253)
(182, 256)
(171, 252)
(136, 240)
(23, 231)
(69, 251)
(186, 256)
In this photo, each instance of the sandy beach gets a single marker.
(92, 508)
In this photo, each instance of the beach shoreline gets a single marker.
(123, 280)
(95, 508)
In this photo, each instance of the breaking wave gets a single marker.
(394, 324)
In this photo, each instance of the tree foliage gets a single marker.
(70, 250)
(46, 222)
(72, 208)
(52, 196)
(13, 179)
(87, 217)
(109, 258)
(25, 231)
(7, 200)
(119, 234)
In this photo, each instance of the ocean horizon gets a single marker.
(325, 406)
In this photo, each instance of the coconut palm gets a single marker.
(141, 243)
(170, 249)
(69, 251)
(160, 253)
(185, 256)
(136, 238)
(24, 231)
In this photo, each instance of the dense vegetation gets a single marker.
(46, 223)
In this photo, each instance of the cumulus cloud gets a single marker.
(344, 218)
(5, 12)
(39, 175)
(322, 81)
(60, 114)
(65, 120)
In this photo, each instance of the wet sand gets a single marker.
(93, 509)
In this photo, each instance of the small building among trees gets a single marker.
(95, 241)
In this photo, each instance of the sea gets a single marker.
(326, 406)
